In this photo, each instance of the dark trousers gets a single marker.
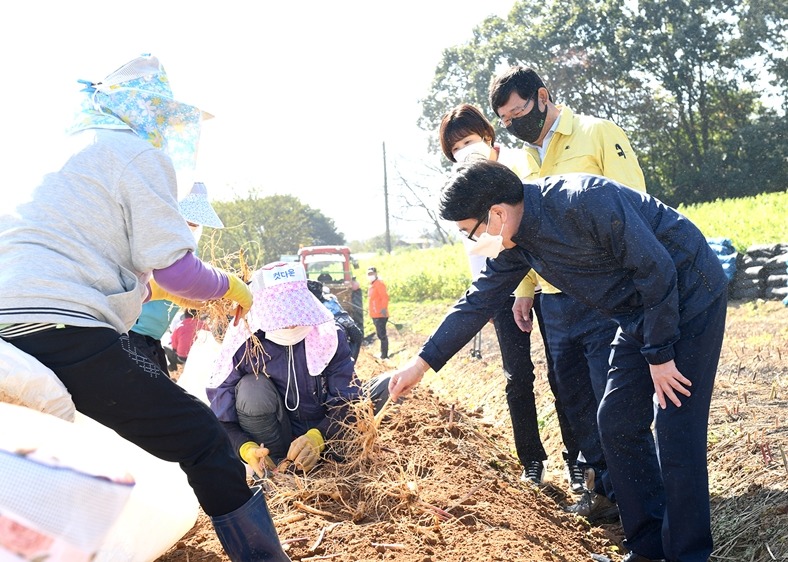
(151, 347)
(579, 339)
(173, 359)
(519, 372)
(380, 332)
(661, 477)
(121, 388)
(263, 415)
(518, 369)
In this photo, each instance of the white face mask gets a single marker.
(288, 336)
(372, 278)
(488, 245)
(480, 150)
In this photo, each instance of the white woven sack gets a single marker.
(25, 381)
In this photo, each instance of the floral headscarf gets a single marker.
(281, 299)
(138, 97)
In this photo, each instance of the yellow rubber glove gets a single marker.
(256, 456)
(159, 294)
(305, 450)
(239, 292)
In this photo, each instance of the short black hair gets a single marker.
(460, 122)
(521, 79)
(476, 186)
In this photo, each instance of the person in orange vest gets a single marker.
(379, 309)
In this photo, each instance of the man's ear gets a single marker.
(510, 216)
(544, 96)
(501, 210)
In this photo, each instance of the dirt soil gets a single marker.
(438, 479)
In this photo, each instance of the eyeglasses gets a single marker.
(515, 113)
(472, 232)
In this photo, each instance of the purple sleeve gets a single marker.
(191, 278)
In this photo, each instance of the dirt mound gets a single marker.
(441, 482)
(436, 487)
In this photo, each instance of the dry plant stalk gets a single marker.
(467, 496)
(312, 510)
(384, 545)
(372, 483)
(358, 438)
(296, 539)
(291, 518)
(322, 534)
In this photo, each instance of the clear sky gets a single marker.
(304, 93)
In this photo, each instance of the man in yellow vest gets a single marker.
(557, 141)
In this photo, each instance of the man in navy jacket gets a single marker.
(651, 270)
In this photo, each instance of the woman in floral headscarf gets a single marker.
(99, 237)
(283, 379)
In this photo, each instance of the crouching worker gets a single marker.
(284, 378)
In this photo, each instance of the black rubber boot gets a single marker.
(248, 533)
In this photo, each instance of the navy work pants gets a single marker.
(661, 477)
(579, 339)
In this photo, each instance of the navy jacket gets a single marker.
(621, 251)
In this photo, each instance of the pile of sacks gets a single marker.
(761, 273)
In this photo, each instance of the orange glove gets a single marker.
(305, 450)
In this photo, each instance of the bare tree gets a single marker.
(417, 197)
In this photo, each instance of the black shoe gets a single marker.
(533, 473)
(574, 475)
(632, 557)
(593, 507)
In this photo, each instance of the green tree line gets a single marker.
(688, 80)
(692, 82)
(266, 228)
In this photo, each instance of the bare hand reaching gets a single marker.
(403, 380)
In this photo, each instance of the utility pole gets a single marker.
(386, 200)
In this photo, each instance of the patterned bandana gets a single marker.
(281, 300)
(138, 97)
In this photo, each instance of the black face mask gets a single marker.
(529, 126)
